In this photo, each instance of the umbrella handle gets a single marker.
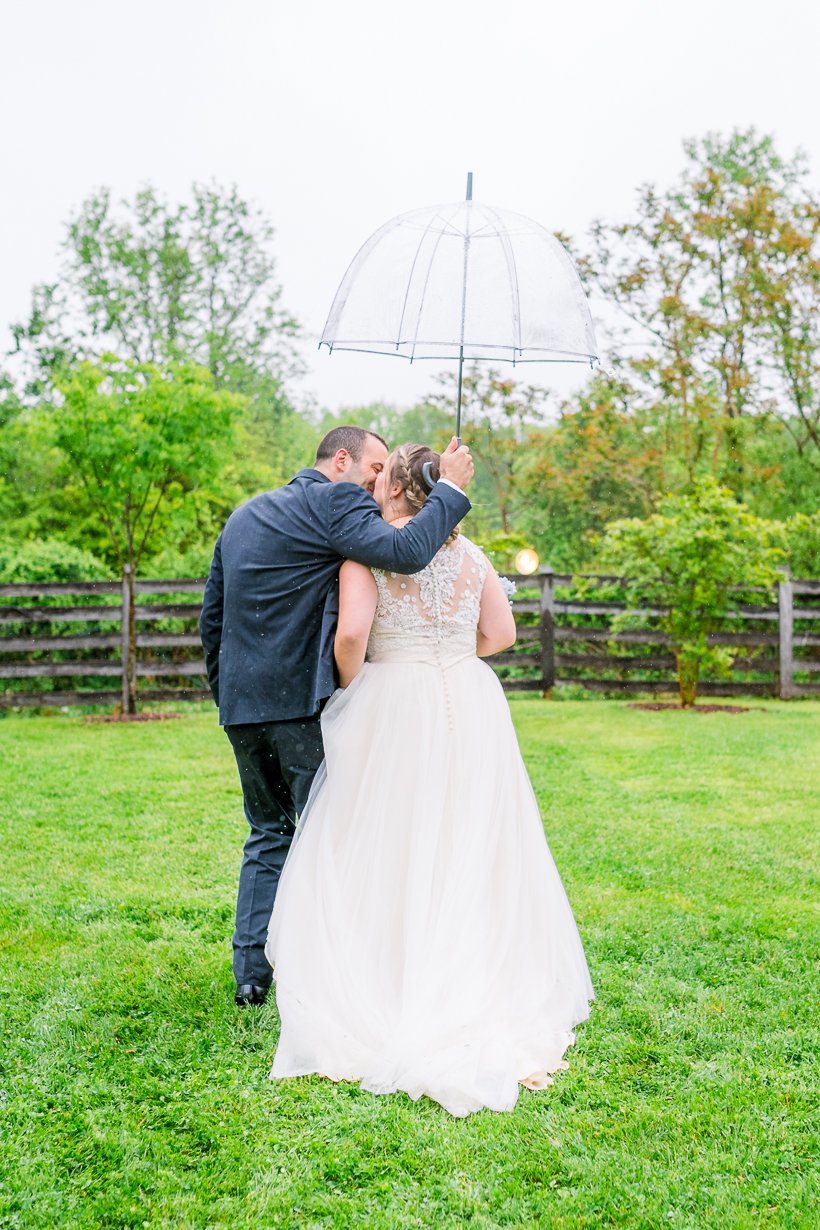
(426, 472)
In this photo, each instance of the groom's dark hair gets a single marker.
(351, 439)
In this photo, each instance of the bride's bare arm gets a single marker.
(496, 625)
(357, 606)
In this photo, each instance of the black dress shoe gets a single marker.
(249, 994)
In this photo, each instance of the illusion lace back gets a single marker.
(433, 613)
(421, 938)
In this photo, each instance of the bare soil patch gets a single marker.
(665, 704)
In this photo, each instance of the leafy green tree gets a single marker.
(266, 452)
(160, 283)
(599, 461)
(685, 559)
(164, 287)
(719, 281)
(610, 454)
(714, 372)
(140, 446)
(30, 490)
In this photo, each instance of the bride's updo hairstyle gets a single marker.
(406, 466)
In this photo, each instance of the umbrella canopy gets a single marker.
(463, 281)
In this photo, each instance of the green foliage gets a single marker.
(600, 461)
(720, 275)
(799, 539)
(780, 479)
(685, 559)
(161, 284)
(501, 548)
(187, 296)
(501, 422)
(172, 563)
(422, 424)
(716, 371)
(47, 560)
(9, 400)
(29, 466)
(43, 496)
(135, 1092)
(270, 445)
(141, 445)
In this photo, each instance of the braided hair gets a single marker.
(406, 467)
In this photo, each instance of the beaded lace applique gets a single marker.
(444, 596)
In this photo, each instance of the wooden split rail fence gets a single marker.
(777, 643)
(72, 641)
(67, 644)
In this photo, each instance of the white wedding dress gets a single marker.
(421, 938)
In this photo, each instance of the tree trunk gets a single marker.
(688, 672)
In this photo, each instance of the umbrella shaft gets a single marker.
(458, 398)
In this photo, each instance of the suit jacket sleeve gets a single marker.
(357, 530)
(210, 620)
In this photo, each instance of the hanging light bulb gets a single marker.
(526, 561)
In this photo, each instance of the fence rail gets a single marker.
(777, 649)
(563, 638)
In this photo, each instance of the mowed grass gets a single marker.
(134, 1093)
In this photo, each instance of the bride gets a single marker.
(421, 938)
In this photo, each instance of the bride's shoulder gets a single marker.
(472, 549)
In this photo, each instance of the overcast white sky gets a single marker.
(336, 116)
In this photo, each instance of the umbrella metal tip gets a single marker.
(469, 186)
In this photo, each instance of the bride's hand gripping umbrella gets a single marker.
(455, 464)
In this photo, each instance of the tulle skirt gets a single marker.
(421, 938)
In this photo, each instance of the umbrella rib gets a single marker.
(512, 273)
(426, 280)
(425, 232)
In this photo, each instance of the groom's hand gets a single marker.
(456, 464)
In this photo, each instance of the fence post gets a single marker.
(129, 648)
(785, 625)
(547, 629)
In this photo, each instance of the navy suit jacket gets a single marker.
(272, 597)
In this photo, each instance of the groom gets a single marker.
(267, 626)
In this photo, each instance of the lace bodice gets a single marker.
(435, 609)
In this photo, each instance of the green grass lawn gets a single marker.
(134, 1093)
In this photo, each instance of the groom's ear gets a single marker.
(341, 460)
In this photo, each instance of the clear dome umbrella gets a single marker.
(463, 281)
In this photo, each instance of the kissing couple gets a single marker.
(396, 883)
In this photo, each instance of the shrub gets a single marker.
(685, 560)
(799, 537)
(45, 561)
